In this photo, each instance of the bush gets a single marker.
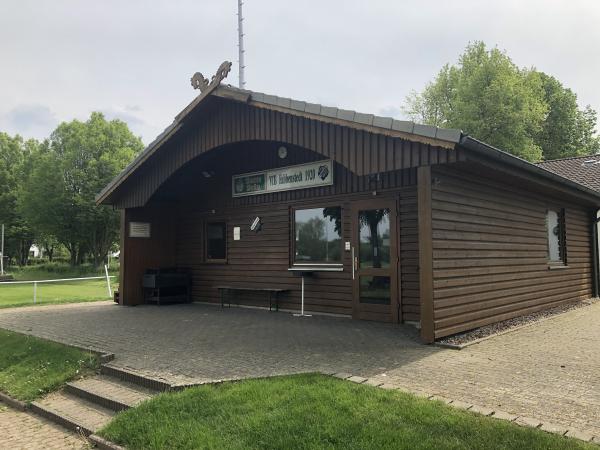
(57, 269)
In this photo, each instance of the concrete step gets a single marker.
(73, 412)
(135, 378)
(109, 392)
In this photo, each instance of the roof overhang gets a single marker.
(445, 138)
(487, 151)
(441, 137)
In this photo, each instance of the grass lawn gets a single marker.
(31, 367)
(313, 412)
(59, 292)
(51, 293)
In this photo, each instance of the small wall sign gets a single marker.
(302, 176)
(236, 233)
(139, 229)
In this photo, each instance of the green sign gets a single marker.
(249, 184)
(301, 176)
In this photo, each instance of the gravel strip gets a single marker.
(478, 333)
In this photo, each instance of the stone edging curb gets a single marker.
(103, 444)
(13, 402)
(496, 414)
(103, 356)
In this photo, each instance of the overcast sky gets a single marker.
(62, 59)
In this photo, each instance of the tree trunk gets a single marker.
(73, 253)
(98, 260)
(80, 256)
(23, 256)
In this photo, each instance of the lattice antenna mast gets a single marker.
(242, 66)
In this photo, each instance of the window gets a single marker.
(318, 235)
(557, 242)
(216, 241)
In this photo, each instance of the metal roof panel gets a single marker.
(424, 130)
(403, 125)
(345, 114)
(365, 119)
(382, 122)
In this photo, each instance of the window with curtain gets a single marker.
(557, 239)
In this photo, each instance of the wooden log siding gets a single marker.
(262, 259)
(490, 254)
(409, 255)
(139, 254)
(227, 122)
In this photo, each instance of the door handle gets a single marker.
(353, 262)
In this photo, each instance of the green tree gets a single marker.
(567, 130)
(14, 157)
(520, 110)
(76, 162)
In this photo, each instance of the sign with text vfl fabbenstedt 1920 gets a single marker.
(302, 176)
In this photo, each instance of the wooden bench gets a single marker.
(272, 292)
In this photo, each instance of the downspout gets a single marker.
(596, 256)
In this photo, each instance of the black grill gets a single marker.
(166, 285)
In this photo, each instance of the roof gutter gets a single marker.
(487, 150)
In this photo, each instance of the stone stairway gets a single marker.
(87, 405)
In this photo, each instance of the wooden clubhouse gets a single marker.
(386, 220)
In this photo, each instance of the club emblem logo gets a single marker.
(323, 172)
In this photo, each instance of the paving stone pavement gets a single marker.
(547, 371)
(24, 431)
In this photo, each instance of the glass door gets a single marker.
(375, 261)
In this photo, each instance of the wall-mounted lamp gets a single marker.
(256, 225)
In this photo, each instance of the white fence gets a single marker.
(36, 282)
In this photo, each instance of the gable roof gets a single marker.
(584, 170)
(442, 137)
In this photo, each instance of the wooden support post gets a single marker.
(122, 257)
(425, 253)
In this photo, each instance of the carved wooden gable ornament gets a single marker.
(199, 82)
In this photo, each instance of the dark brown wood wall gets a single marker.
(139, 254)
(262, 259)
(224, 122)
(490, 257)
(409, 255)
